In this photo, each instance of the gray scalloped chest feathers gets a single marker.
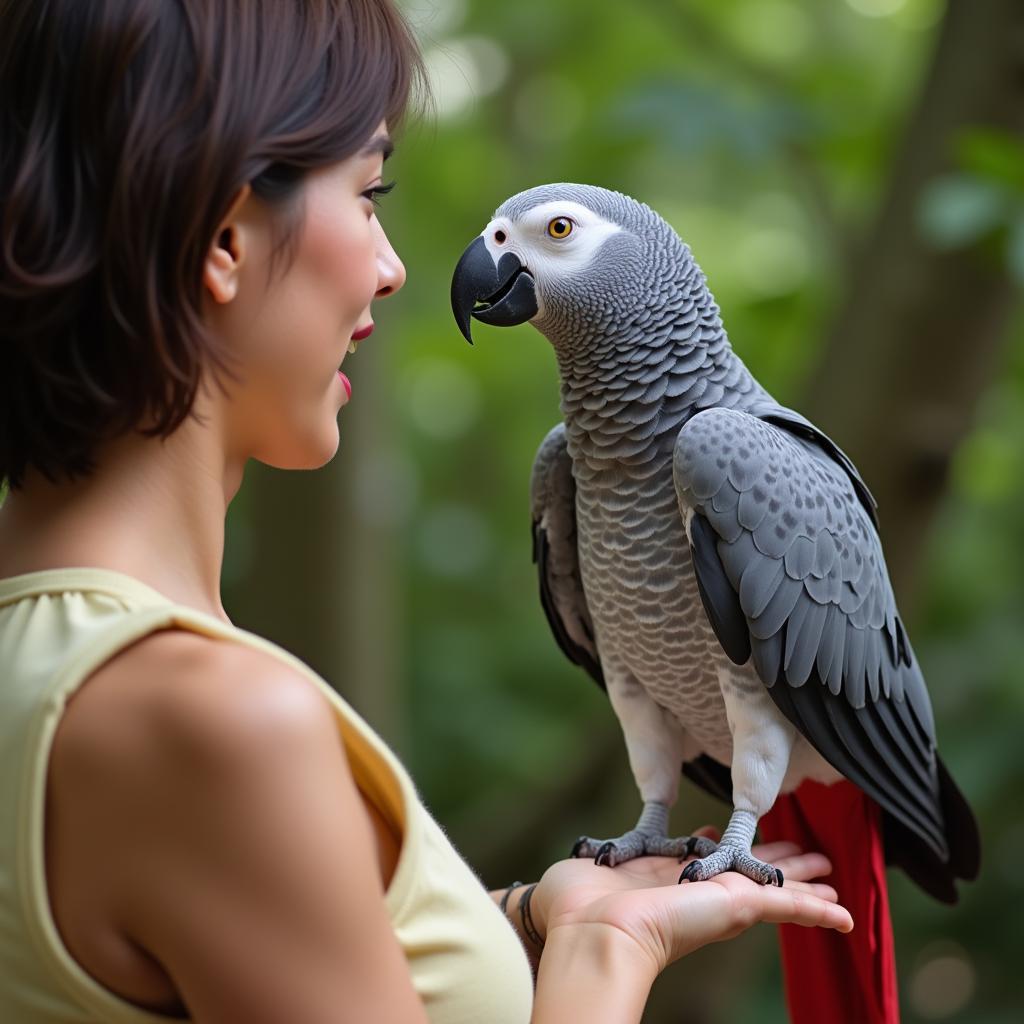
(709, 556)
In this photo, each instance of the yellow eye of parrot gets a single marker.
(560, 227)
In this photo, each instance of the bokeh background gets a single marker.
(850, 176)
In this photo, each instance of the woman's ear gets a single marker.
(227, 253)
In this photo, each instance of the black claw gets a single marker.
(576, 846)
(691, 843)
(604, 852)
(690, 871)
(778, 877)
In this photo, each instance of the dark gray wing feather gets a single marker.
(803, 427)
(782, 520)
(553, 520)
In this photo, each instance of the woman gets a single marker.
(192, 824)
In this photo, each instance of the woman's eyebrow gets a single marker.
(379, 144)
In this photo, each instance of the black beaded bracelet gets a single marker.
(529, 928)
(505, 895)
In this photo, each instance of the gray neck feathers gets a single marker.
(628, 383)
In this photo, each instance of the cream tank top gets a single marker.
(57, 626)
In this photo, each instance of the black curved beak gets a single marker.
(502, 295)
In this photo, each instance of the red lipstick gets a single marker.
(363, 333)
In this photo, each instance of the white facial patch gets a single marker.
(548, 257)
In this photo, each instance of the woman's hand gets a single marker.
(666, 920)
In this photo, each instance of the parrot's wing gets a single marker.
(791, 573)
(553, 514)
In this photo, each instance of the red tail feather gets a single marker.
(830, 976)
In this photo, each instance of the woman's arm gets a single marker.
(512, 911)
(591, 973)
(247, 862)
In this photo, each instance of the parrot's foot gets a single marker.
(731, 858)
(639, 844)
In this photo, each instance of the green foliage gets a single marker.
(984, 198)
(958, 209)
(764, 133)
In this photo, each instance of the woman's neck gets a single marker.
(152, 509)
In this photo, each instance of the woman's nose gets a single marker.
(390, 269)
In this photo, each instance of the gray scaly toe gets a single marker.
(635, 843)
(731, 858)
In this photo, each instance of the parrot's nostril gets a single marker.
(499, 237)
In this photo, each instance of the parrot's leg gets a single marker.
(649, 837)
(654, 742)
(733, 854)
(762, 742)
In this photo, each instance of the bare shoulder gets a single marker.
(175, 696)
(175, 672)
(253, 874)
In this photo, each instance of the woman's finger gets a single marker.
(804, 866)
(819, 889)
(795, 906)
(709, 832)
(772, 852)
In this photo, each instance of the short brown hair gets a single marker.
(126, 129)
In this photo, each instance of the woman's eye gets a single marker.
(379, 190)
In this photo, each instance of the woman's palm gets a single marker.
(643, 899)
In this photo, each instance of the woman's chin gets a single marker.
(314, 453)
(327, 449)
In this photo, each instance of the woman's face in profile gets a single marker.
(293, 335)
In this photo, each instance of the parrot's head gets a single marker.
(579, 262)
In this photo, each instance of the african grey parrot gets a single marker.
(708, 555)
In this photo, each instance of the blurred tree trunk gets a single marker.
(918, 337)
(319, 572)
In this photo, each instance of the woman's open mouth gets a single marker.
(358, 337)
